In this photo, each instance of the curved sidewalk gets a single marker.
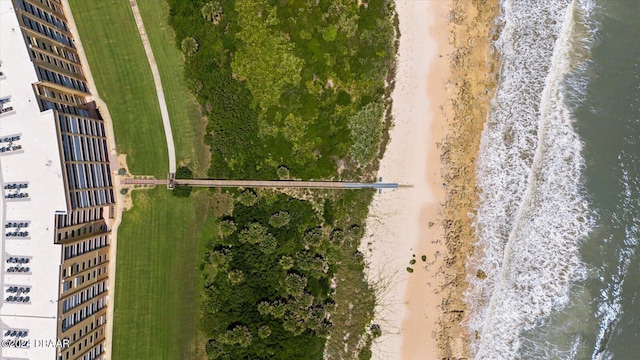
(156, 79)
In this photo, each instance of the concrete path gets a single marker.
(156, 79)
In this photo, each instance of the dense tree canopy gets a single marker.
(280, 81)
(291, 89)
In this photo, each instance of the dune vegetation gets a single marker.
(296, 90)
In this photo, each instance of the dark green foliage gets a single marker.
(239, 335)
(343, 98)
(264, 331)
(189, 46)
(280, 80)
(282, 172)
(253, 234)
(365, 354)
(212, 11)
(328, 212)
(184, 172)
(294, 285)
(256, 285)
(286, 262)
(247, 197)
(227, 227)
(279, 219)
(182, 191)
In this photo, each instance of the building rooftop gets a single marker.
(32, 192)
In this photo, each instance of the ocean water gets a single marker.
(558, 218)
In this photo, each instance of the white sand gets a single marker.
(398, 225)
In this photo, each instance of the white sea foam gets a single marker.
(610, 299)
(531, 215)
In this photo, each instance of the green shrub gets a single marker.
(264, 331)
(236, 276)
(279, 219)
(182, 191)
(277, 67)
(268, 245)
(227, 227)
(247, 197)
(283, 172)
(376, 331)
(329, 34)
(212, 11)
(366, 132)
(184, 172)
(343, 98)
(239, 335)
(189, 46)
(365, 354)
(253, 234)
(286, 262)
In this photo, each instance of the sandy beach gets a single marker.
(444, 83)
(405, 224)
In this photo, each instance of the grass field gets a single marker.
(157, 310)
(123, 77)
(157, 282)
(186, 122)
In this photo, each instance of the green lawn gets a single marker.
(186, 122)
(156, 305)
(123, 77)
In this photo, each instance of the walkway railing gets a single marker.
(266, 184)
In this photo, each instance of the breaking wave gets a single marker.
(531, 214)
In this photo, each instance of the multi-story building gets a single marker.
(58, 200)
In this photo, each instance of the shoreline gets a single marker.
(473, 78)
(444, 83)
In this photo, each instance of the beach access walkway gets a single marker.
(281, 184)
(156, 79)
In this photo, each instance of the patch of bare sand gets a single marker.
(405, 224)
(424, 289)
(444, 83)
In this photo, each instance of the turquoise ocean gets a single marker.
(558, 217)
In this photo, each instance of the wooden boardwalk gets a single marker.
(130, 181)
(265, 184)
